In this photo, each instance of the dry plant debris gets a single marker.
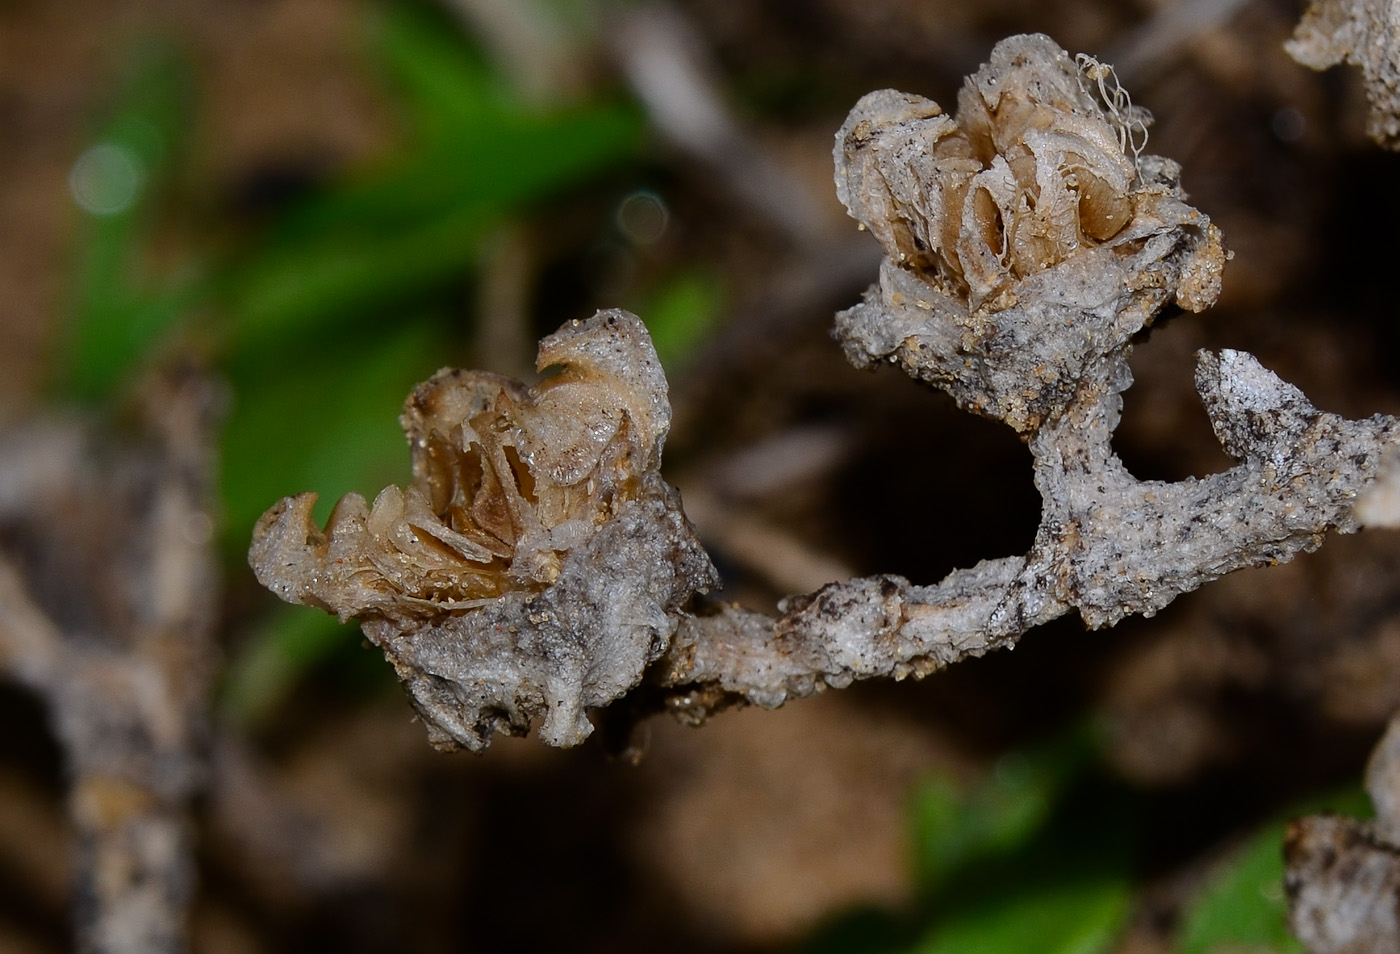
(537, 564)
(540, 567)
(1024, 240)
(107, 608)
(1343, 876)
(1365, 33)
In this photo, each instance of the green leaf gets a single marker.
(1036, 858)
(117, 311)
(334, 282)
(1242, 904)
(416, 222)
(682, 313)
(442, 81)
(1064, 916)
(954, 829)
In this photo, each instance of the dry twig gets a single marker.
(107, 590)
(1025, 247)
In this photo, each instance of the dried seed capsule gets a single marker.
(531, 568)
(1022, 239)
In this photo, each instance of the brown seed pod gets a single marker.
(529, 569)
(1022, 237)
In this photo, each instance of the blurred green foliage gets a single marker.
(1241, 906)
(1036, 858)
(682, 312)
(474, 156)
(119, 311)
(1039, 857)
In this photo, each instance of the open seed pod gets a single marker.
(1023, 238)
(530, 569)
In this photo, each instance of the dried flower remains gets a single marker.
(533, 567)
(1022, 238)
(539, 566)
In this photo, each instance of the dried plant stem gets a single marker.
(1026, 243)
(1109, 546)
(107, 586)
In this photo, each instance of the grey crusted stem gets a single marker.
(1109, 546)
(874, 626)
(1025, 250)
(1363, 33)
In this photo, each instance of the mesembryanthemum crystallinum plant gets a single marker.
(539, 566)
